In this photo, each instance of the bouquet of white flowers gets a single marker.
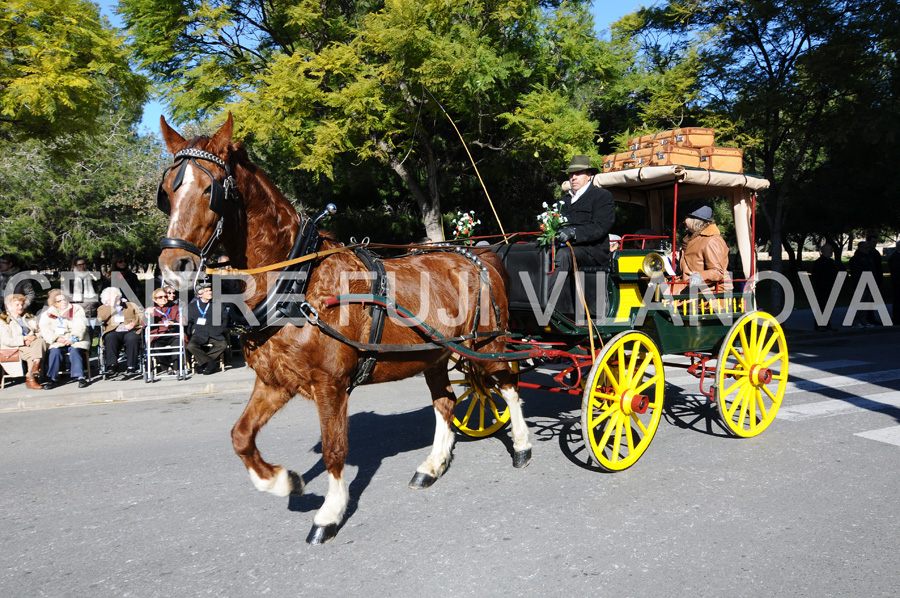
(464, 224)
(551, 221)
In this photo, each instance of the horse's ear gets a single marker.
(173, 140)
(222, 138)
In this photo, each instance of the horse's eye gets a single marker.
(207, 190)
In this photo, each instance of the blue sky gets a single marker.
(605, 12)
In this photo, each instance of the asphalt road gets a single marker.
(147, 499)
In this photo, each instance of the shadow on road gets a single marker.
(372, 438)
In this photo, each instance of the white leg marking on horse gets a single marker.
(335, 502)
(439, 458)
(279, 485)
(517, 420)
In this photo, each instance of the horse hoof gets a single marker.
(521, 458)
(297, 483)
(319, 534)
(421, 480)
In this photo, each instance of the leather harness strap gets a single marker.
(381, 287)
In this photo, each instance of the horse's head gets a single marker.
(194, 191)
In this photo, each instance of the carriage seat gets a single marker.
(529, 267)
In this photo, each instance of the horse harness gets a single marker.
(219, 195)
(294, 278)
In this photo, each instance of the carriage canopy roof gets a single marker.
(632, 185)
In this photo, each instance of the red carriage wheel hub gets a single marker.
(760, 375)
(630, 402)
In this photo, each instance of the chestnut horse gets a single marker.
(258, 227)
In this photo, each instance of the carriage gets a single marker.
(332, 316)
(610, 329)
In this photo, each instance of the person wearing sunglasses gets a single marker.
(64, 328)
(163, 319)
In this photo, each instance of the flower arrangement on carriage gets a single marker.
(464, 225)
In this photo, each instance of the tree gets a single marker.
(390, 85)
(61, 67)
(104, 201)
(781, 79)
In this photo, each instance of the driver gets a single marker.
(590, 214)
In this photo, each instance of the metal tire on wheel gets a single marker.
(480, 410)
(623, 400)
(751, 374)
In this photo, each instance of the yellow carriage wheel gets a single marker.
(751, 374)
(480, 410)
(623, 401)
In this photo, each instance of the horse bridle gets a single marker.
(219, 195)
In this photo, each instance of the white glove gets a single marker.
(696, 280)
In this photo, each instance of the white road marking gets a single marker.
(889, 435)
(843, 381)
(874, 402)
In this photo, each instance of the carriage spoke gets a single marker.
(771, 396)
(646, 384)
(764, 329)
(612, 378)
(617, 440)
(736, 372)
(640, 424)
(761, 404)
(468, 416)
(607, 410)
(635, 350)
(740, 383)
(740, 358)
(639, 375)
(629, 435)
(772, 360)
(768, 347)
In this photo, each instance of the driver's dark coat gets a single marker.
(592, 216)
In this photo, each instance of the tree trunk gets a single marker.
(429, 204)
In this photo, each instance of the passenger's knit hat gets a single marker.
(704, 213)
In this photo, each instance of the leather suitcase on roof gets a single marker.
(618, 161)
(694, 136)
(657, 139)
(666, 155)
(642, 157)
(729, 159)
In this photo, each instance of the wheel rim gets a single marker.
(480, 410)
(751, 374)
(623, 401)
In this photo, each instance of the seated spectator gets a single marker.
(64, 328)
(207, 325)
(163, 319)
(121, 325)
(9, 268)
(84, 291)
(19, 330)
(120, 275)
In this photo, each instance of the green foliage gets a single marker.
(99, 204)
(325, 86)
(61, 67)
